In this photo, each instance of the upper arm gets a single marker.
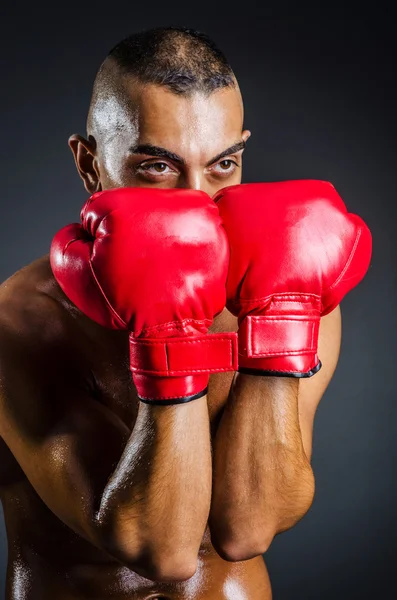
(312, 389)
(65, 441)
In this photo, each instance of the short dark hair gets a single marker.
(181, 59)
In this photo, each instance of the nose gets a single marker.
(195, 180)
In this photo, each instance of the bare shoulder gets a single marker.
(39, 333)
(36, 339)
(31, 307)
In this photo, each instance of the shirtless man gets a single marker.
(76, 440)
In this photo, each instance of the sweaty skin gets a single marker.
(158, 139)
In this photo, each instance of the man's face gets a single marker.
(160, 139)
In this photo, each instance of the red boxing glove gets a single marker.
(295, 253)
(153, 262)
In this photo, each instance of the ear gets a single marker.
(84, 153)
(246, 134)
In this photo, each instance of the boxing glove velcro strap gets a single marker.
(189, 355)
(278, 335)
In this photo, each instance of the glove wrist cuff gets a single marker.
(179, 367)
(280, 343)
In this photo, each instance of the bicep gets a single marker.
(65, 441)
(311, 390)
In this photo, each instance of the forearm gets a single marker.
(156, 502)
(262, 480)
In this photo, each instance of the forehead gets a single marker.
(196, 125)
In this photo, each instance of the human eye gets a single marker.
(155, 168)
(225, 167)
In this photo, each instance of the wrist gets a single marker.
(176, 370)
(256, 387)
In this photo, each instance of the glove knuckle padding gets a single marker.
(295, 253)
(142, 252)
(153, 262)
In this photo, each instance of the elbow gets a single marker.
(303, 497)
(160, 567)
(246, 540)
(154, 563)
(157, 562)
(165, 568)
(244, 548)
(298, 505)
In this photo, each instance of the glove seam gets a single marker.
(69, 243)
(285, 352)
(179, 324)
(105, 297)
(295, 297)
(167, 362)
(279, 319)
(349, 260)
(138, 371)
(199, 340)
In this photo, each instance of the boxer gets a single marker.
(124, 476)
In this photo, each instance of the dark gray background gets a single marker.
(320, 98)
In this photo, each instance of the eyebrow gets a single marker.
(164, 153)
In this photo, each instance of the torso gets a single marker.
(46, 559)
